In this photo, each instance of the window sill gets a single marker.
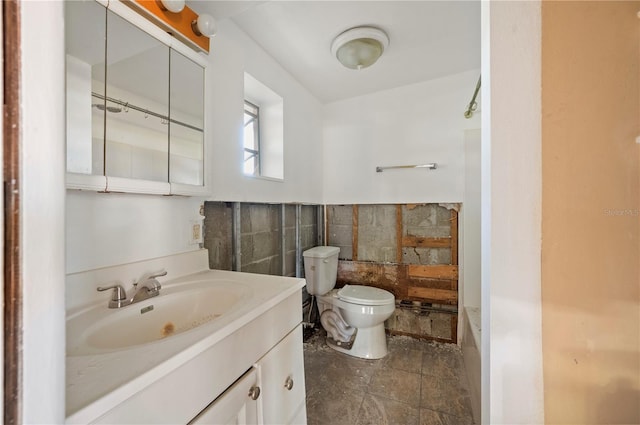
(272, 179)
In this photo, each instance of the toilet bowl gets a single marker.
(354, 315)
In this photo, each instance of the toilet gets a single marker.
(354, 315)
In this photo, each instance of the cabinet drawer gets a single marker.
(282, 380)
(234, 406)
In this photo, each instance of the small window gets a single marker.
(263, 131)
(251, 139)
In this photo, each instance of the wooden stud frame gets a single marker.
(399, 233)
(354, 235)
(454, 237)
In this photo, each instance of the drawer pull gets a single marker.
(288, 383)
(254, 393)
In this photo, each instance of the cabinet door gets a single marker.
(137, 103)
(282, 381)
(238, 405)
(85, 35)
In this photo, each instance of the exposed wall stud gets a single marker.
(399, 233)
(298, 241)
(237, 238)
(354, 236)
(454, 237)
(320, 225)
(433, 272)
(422, 242)
(454, 245)
(283, 239)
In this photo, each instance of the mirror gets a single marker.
(137, 111)
(135, 106)
(85, 33)
(186, 128)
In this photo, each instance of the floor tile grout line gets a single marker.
(360, 407)
(452, 378)
(416, 408)
(402, 355)
(470, 416)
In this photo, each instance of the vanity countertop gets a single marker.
(98, 382)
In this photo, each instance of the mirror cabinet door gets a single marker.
(85, 25)
(137, 103)
(186, 129)
(135, 107)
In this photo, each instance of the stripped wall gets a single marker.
(260, 238)
(410, 250)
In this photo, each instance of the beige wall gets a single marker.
(591, 212)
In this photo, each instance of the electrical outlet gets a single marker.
(195, 234)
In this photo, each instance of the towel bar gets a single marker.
(431, 166)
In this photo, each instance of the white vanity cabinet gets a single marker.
(272, 392)
(281, 374)
(208, 375)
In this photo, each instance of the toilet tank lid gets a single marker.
(365, 295)
(321, 252)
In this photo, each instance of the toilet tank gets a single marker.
(321, 269)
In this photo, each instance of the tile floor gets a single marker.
(418, 383)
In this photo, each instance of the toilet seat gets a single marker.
(365, 295)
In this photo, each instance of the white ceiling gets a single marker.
(428, 39)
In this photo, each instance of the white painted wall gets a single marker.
(511, 216)
(42, 202)
(414, 124)
(233, 53)
(470, 223)
(105, 229)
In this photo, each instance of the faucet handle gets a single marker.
(158, 274)
(148, 276)
(118, 294)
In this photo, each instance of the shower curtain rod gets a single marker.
(473, 105)
(127, 105)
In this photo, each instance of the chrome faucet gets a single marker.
(147, 287)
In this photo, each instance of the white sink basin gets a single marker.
(178, 309)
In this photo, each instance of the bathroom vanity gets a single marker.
(213, 347)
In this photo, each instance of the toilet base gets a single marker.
(369, 343)
(341, 344)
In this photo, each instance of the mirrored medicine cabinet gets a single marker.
(135, 104)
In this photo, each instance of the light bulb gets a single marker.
(204, 25)
(174, 6)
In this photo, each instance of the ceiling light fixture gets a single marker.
(174, 6)
(359, 47)
(204, 25)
